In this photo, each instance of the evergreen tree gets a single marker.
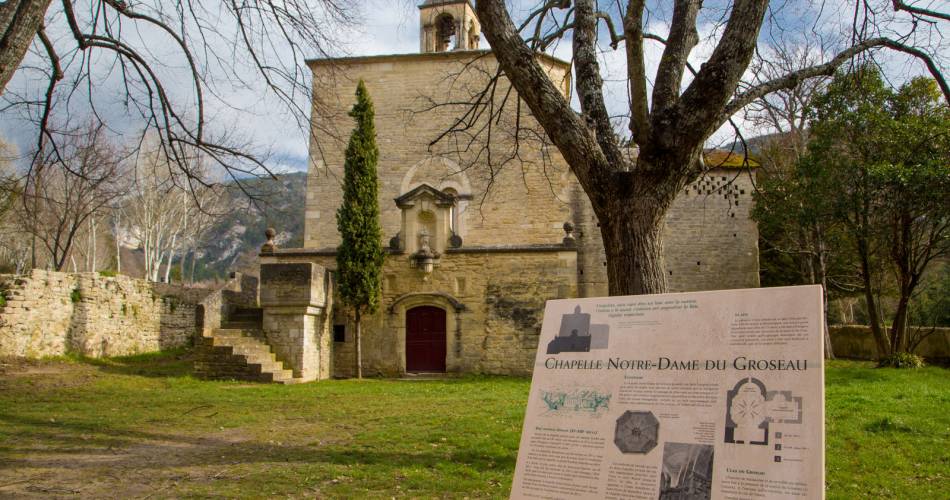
(873, 188)
(360, 254)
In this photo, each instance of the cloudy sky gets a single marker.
(384, 27)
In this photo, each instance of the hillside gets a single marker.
(233, 242)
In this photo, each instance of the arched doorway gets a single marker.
(425, 339)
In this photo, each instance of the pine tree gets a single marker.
(360, 254)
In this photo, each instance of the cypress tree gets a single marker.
(360, 254)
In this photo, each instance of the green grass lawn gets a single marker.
(143, 427)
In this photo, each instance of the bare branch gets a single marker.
(683, 37)
(636, 71)
(590, 84)
(794, 78)
(900, 5)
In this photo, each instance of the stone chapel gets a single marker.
(474, 249)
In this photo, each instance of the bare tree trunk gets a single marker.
(633, 243)
(822, 275)
(359, 349)
(36, 206)
(168, 266)
(19, 22)
(92, 222)
(880, 338)
(118, 257)
(899, 328)
(181, 265)
(906, 257)
(194, 258)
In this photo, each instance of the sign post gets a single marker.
(689, 396)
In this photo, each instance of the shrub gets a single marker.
(108, 274)
(75, 296)
(901, 360)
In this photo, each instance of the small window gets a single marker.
(453, 219)
(339, 333)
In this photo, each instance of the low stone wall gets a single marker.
(857, 342)
(51, 313)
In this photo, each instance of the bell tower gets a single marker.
(448, 25)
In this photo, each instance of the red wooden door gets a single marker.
(425, 339)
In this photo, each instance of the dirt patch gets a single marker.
(18, 367)
(151, 467)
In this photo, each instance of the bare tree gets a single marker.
(162, 216)
(153, 212)
(670, 125)
(211, 203)
(93, 248)
(14, 242)
(784, 116)
(212, 43)
(10, 185)
(785, 112)
(65, 191)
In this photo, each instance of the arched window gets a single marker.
(454, 219)
(445, 33)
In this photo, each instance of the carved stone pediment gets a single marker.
(427, 215)
(428, 193)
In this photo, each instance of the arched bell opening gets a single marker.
(446, 37)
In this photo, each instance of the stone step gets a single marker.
(252, 333)
(242, 325)
(260, 352)
(244, 341)
(251, 348)
(246, 315)
(241, 353)
(277, 376)
(248, 311)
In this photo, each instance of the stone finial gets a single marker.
(269, 246)
(568, 240)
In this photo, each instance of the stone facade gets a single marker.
(51, 314)
(487, 242)
(493, 299)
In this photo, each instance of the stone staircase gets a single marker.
(239, 351)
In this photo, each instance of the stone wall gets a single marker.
(710, 240)
(51, 314)
(857, 342)
(493, 298)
